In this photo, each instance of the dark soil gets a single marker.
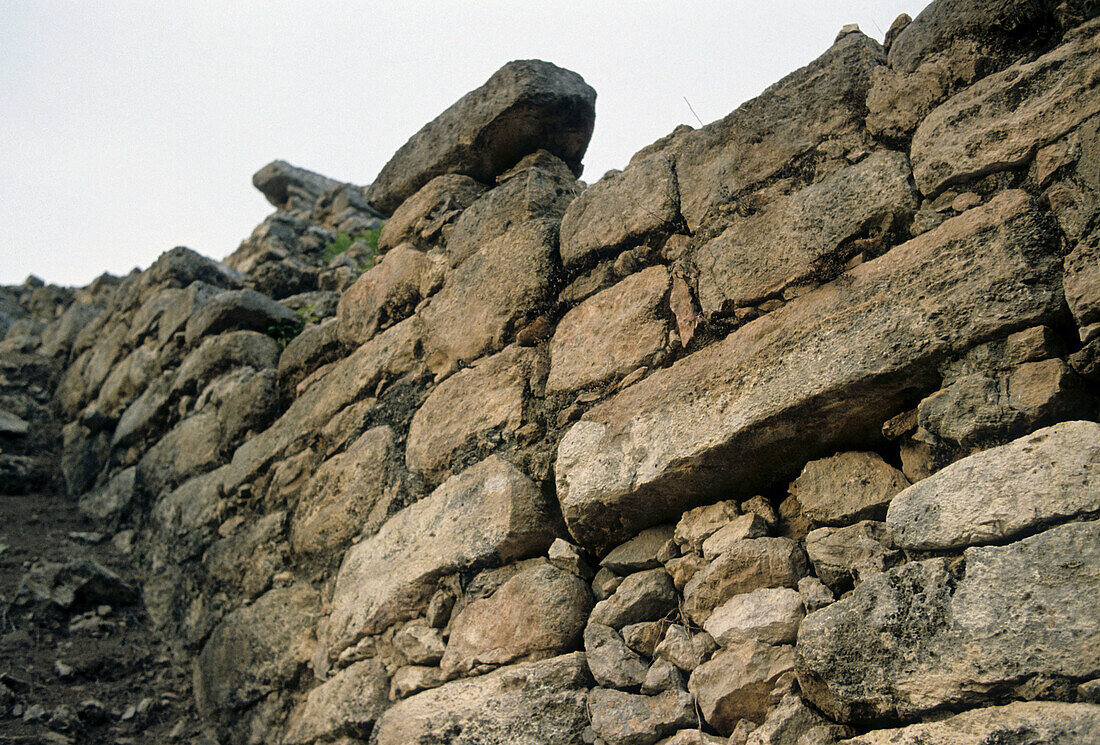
(82, 675)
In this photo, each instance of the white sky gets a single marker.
(127, 128)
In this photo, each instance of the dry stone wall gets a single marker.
(784, 435)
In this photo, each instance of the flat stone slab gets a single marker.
(1046, 477)
(921, 637)
(828, 368)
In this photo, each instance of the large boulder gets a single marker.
(489, 513)
(921, 637)
(536, 703)
(828, 368)
(525, 106)
(1050, 476)
(1001, 121)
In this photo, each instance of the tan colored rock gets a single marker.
(420, 218)
(748, 565)
(491, 295)
(770, 615)
(1019, 723)
(693, 737)
(421, 645)
(620, 718)
(736, 682)
(383, 295)
(663, 676)
(490, 397)
(804, 238)
(684, 649)
(620, 209)
(847, 487)
(699, 524)
(255, 650)
(644, 596)
(346, 704)
(1082, 282)
(683, 568)
(349, 493)
(631, 321)
(749, 525)
(612, 663)
(536, 703)
(640, 552)
(538, 613)
(829, 366)
(922, 637)
(1049, 476)
(415, 678)
(490, 512)
(843, 557)
(643, 637)
(525, 106)
(1000, 122)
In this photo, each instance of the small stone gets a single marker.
(965, 201)
(626, 719)
(605, 583)
(640, 552)
(815, 595)
(565, 555)
(697, 525)
(663, 676)
(413, 679)
(763, 508)
(421, 645)
(645, 596)
(847, 487)
(439, 608)
(684, 568)
(613, 665)
(749, 525)
(693, 737)
(683, 649)
(736, 682)
(668, 552)
(844, 557)
(643, 637)
(770, 615)
(741, 732)
(850, 28)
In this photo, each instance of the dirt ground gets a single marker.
(94, 672)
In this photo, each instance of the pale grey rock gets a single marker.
(735, 683)
(684, 649)
(663, 676)
(565, 555)
(693, 737)
(235, 310)
(536, 703)
(525, 106)
(111, 501)
(290, 187)
(628, 719)
(612, 663)
(640, 552)
(743, 527)
(843, 557)
(644, 596)
(747, 565)
(1019, 723)
(698, 524)
(421, 645)
(538, 613)
(605, 583)
(830, 366)
(490, 512)
(787, 723)
(770, 615)
(1049, 476)
(631, 320)
(847, 487)
(815, 595)
(918, 637)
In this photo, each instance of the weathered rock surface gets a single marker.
(621, 718)
(823, 369)
(536, 703)
(631, 320)
(490, 512)
(237, 310)
(843, 557)
(847, 487)
(382, 296)
(748, 565)
(538, 613)
(919, 637)
(736, 682)
(345, 705)
(770, 615)
(613, 664)
(525, 106)
(644, 596)
(1021, 723)
(1082, 279)
(640, 552)
(420, 218)
(1047, 477)
(1000, 122)
(290, 187)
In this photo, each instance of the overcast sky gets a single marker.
(127, 128)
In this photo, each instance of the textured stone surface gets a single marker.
(743, 527)
(621, 718)
(770, 615)
(1021, 723)
(631, 320)
(536, 703)
(736, 682)
(383, 295)
(1046, 477)
(237, 310)
(290, 187)
(346, 704)
(492, 397)
(747, 565)
(1082, 281)
(538, 613)
(420, 218)
(843, 557)
(804, 238)
(613, 664)
(1001, 121)
(847, 487)
(919, 638)
(645, 596)
(640, 552)
(829, 366)
(489, 512)
(526, 105)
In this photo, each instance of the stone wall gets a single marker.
(786, 433)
